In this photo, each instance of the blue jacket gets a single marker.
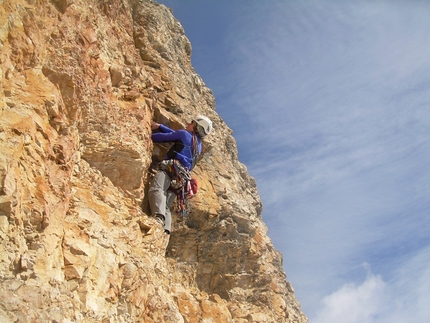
(183, 141)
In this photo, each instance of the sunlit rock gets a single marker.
(80, 83)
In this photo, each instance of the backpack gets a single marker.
(194, 150)
(179, 146)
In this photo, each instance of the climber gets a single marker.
(174, 171)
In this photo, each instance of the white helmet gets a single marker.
(203, 125)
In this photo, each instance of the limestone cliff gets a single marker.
(80, 82)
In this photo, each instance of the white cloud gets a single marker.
(353, 303)
(402, 298)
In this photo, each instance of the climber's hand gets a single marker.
(154, 125)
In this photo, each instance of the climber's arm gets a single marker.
(169, 136)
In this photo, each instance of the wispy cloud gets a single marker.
(329, 102)
(334, 126)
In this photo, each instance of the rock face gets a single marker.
(80, 82)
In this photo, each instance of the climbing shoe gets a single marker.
(160, 219)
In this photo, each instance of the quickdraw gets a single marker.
(184, 194)
(181, 184)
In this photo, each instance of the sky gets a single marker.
(329, 102)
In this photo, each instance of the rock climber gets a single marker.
(175, 169)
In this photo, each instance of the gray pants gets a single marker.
(160, 198)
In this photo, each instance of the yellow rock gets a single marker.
(80, 83)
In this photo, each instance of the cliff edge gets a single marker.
(80, 82)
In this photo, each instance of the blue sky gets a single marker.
(329, 102)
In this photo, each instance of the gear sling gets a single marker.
(181, 184)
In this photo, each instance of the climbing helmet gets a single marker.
(203, 125)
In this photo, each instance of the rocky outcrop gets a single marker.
(80, 82)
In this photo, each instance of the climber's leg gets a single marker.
(168, 216)
(157, 194)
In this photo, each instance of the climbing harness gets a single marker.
(182, 184)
